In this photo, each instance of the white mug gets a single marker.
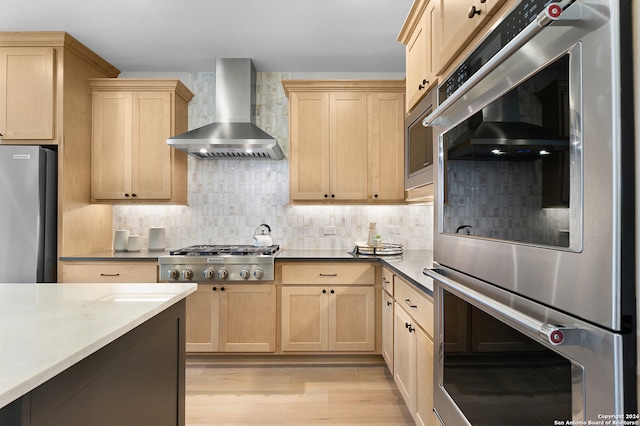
(120, 240)
(157, 239)
(134, 243)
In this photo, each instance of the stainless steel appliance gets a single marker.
(418, 151)
(28, 214)
(534, 234)
(234, 133)
(219, 263)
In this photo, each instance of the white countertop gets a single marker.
(46, 328)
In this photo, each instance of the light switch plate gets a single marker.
(329, 230)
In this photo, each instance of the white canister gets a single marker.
(120, 240)
(134, 243)
(157, 239)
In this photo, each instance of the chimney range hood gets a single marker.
(234, 133)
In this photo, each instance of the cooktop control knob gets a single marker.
(187, 274)
(258, 273)
(223, 274)
(244, 273)
(209, 274)
(173, 274)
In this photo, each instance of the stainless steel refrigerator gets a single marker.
(28, 214)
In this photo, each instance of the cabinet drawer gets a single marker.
(329, 273)
(110, 272)
(416, 303)
(387, 281)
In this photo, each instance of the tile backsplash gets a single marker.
(229, 198)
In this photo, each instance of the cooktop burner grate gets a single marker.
(230, 250)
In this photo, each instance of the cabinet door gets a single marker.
(404, 363)
(248, 318)
(386, 127)
(304, 318)
(27, 93)
(309, 146)
(424, 380)
(202, 319)
(348, 146)
(387, 329)
(459, 22)
(151, 156)
(351, 319)
(111, 145)
(418, 55)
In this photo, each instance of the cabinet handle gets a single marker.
(389, 303)
(133, 195)
(326, 195)
(328, 275)
(324, 291)
(375, 196)
(214, 289)
(409, 327)
(408, 302)
(1, 135)
(109, 275)
(423, 85)
(221, 288)
(333, 195)
(473, 11)
(332, 291)
(126, 195)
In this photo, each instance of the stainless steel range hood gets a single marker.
(234, 133)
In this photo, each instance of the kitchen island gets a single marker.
(92, 353)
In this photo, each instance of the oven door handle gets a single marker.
(553, 12)
(553, 334)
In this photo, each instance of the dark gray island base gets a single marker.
(138, 379)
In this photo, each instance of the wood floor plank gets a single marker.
(293, 395)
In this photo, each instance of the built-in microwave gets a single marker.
(419, 158)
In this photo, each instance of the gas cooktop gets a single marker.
(232, 250)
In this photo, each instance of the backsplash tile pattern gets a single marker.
(229, 198)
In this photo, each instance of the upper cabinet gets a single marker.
(27, 98)
(131, 161)
(420, 35)
(460, 21)
(346, 140)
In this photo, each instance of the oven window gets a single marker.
(497, 375)
(507, 168)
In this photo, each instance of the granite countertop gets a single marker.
(409, 265)
(47, 328)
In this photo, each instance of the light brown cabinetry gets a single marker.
(231, 318)
(45, 99)
(346, 140)
(132, 118)
(27, 98)
(109, 271)
(460, 21)
(413, 350)
(387, 317)
(328, 306)
(420, 35)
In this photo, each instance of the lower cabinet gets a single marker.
(328, 318)
(413, 351)
(231, 318)
(126, 271)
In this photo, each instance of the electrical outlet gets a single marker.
(329, 230)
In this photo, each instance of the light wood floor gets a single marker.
(293, 395)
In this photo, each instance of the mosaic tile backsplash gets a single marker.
(229, 198)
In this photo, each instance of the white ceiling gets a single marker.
(187, 35)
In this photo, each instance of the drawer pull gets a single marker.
(389, 303)
(328, 275)
(408, 302)
(409, 327)
(109, 275)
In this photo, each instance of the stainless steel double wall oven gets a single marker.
(534, 284)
